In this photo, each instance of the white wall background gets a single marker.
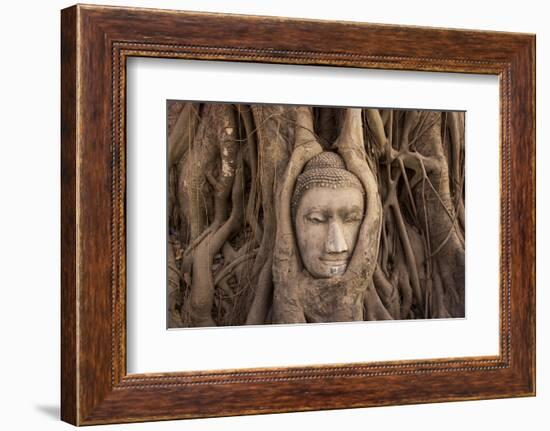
(29, 215)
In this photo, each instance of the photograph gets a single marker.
(286, 214)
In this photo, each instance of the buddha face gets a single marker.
(327, 223)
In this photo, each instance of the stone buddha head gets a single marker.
(327, 211)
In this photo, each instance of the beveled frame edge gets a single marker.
(96, 41)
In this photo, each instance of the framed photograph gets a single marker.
(264, 214)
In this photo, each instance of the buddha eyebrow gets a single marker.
(317, 209)
(354, 208)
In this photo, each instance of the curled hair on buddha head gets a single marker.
(325, 170)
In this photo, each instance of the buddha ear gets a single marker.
(304, 131)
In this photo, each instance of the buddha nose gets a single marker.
(336, 243)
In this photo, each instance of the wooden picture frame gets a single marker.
(95, 43)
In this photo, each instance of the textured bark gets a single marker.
(275, 135)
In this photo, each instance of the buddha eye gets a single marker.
(315, 218)
(352, 218)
